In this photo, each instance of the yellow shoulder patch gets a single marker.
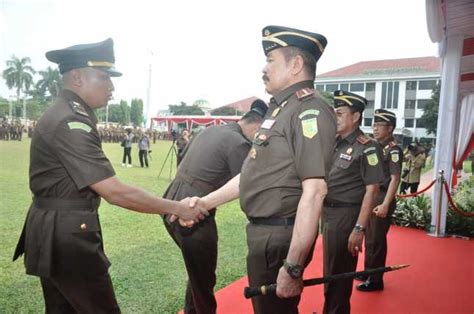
(373, 159)
(310, 127)
(395, 157)
(79, 126)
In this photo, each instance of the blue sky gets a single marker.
(207, 49)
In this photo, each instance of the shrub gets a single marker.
(464, 199)
(413, 212)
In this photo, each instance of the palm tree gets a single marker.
(19, 75)
(51, 82)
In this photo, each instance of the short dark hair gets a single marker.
(252, 117)
(308, 59)
(353, 109)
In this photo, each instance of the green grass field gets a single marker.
(147, 268)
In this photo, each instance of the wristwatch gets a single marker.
(359, 228)
(294, 270)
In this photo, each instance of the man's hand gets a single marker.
(191, 213)
(288, 287)
(354, 244)
(381, 210)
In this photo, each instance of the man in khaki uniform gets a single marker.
(282, 183)
(379, 221)
(415, 159)
(353, 183)
(69, 173)
(212, 158)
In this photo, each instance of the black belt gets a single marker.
(51, 203)
(340, 204)
(272, 221)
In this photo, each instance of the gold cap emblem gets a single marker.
(266, 32)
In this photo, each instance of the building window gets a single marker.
(390, 95)
(357, 87)
(411, 85)
(331, 87)
(409, 123)
(367, 121)
(370, 104)
(320, 87)
(425, 85)
(410, 104)
(422, 103)
(369, 87)
(420, 123)
(344, 86)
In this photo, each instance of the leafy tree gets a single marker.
(50, 82)
(430, 112)
(136, 112)
(329, 97)
(115, 113)
(226, 111)
(125, 113)
(182, 110)
(19, 75)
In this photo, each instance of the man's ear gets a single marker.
(76, 76)
(297, 65)
(356, 116)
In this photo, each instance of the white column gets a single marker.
(446, 131)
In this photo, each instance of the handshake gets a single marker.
(192, 210)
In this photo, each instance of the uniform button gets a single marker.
(83, 226)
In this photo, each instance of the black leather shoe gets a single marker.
(370, 286)
(361, 278)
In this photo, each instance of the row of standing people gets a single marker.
(296, 171)
(12, 131)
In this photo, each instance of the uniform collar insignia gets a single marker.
(78, 108)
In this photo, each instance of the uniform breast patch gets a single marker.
(79, 126)
(310, 127)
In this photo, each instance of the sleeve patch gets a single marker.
(310, 127)
(368, 150)
(395, 156)
(373, 159)
(79, 126)
(308, 112)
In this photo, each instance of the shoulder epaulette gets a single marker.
(304, 93)
(392, 144)
(363, 139)
(78, 108)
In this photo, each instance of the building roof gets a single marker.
(241, 105)
(393, 67)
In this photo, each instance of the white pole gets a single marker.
(446, 131)
(148, 94)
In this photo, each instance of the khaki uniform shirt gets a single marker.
(356, 163)
(66, 157)
(293, 145)
(212, 158)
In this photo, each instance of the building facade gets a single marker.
(403, 86)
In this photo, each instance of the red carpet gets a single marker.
(439, 280)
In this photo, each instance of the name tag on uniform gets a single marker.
(346, 157)
(267, 124)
